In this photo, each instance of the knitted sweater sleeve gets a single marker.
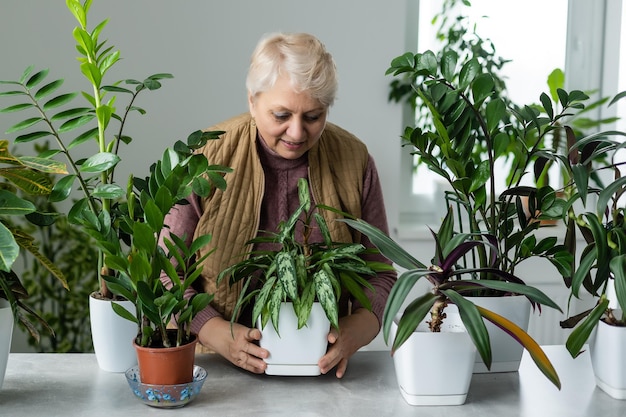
(182, 221)
(373, 212)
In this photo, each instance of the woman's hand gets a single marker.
(239, 346)
(355, 331)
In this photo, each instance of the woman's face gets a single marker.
(289, 123)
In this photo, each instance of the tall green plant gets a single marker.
(301, 271)
(466, 108)
(97, 125)
(603, 259)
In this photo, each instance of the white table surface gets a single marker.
(73, 385)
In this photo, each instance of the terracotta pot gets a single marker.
(166, 366)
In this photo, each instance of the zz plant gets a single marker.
(467, 110)
(140, 263)
(301, 271)
(90, 136)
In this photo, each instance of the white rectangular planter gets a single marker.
(295, 352)
(607, 346)
(505, 350)
(435, 368)
(6, 334)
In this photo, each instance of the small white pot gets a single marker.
(295, 352)
(606, 347)
(6, 334)
(112, 335)
(435, 368)
(506, 352)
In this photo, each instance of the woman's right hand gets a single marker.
(239, 346)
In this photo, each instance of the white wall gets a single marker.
(206, 45)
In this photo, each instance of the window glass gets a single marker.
(513, 27)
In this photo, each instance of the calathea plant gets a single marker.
(445, 274)
(301, 271)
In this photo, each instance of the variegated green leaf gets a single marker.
(326, 296)
(286, 270)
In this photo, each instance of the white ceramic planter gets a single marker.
(435, 368)
(6, 334)
(295, 352)
(506, 351)
(606, 347)
(112, 335)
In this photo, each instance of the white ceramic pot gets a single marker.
(506, 352)
(435, 368)
(6, 334)
(293, 351)
(606, 347)
(112, 335)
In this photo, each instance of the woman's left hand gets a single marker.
(355, 331)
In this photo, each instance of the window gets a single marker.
(512, 26)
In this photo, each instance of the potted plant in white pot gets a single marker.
(97, 124)
(470, 132)
(295, 287)
(433, 348)
(28, 175)
(601, 269)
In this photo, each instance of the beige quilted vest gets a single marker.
(336, 168)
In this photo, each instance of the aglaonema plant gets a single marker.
(301, 271)
(444, 274)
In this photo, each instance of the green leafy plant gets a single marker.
(604, 257)
(445, 273)
(97, 123)
(138, 265)
(301, 271)
(466, 108)
(27, 175)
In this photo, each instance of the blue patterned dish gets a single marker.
(166, 396)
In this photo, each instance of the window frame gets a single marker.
(591, 62)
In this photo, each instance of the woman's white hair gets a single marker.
(299, 56)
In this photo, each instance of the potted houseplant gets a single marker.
(295, 287)
(601, 270)
(27, 175)
(468, 112)
(72, 130)
(453, 348)
(138, 263)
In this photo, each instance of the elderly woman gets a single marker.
(291, 85)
